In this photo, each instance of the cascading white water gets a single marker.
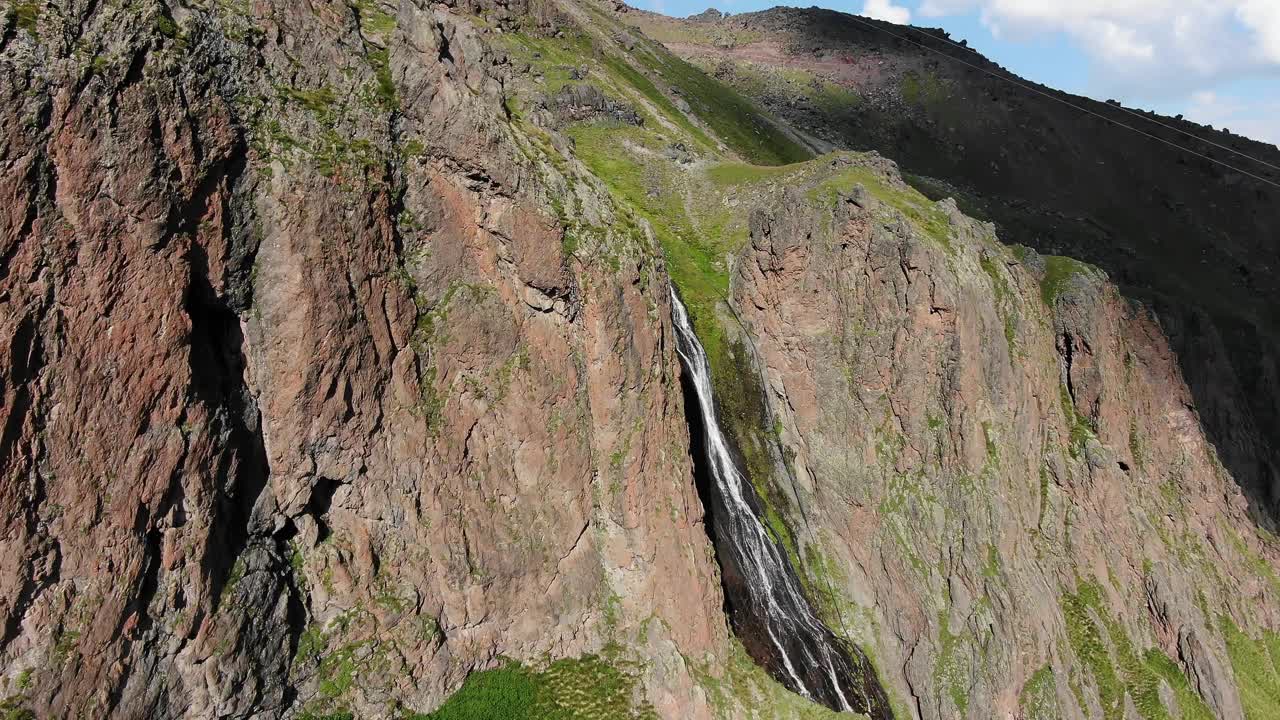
(807, 651)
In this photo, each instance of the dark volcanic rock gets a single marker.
(581, 101)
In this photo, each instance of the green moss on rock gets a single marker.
(1256, 662)
(1039, 697)
(586, 688)
(950, 670)
(1118, 669)
(919, 210)
(1058, 274)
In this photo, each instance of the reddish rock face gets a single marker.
(970, 456)
(313, 399)
(1195, 239)
(296, 357)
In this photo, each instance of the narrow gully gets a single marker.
(767, 608)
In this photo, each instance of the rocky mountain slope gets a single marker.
(341, 382)
(1193, 239)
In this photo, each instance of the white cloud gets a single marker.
(1259, 120)
(1149, 48)
(887, 11)
(1263, 18)
(1204, 98)
(939, 8)
(1117, 43)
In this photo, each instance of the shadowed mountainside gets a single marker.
(1186, 236)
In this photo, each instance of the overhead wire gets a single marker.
(1075, 106)
(1123, 109)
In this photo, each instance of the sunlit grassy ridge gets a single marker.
(919, 209)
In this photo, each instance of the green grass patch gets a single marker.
(380, 60)
(507, 692)
(1080, 426)
(1257, 563)
(26, 16)
(923, 89)
(1058, 273)
(732, 174)
(833, 98)
(65, 645)
(1118, 669)
(320, 101)
(991, 569)
(645, 87)
(12, 708)
(998, 282)
(586, 688)
(919, 209)
(1039, 697)
(167, 27)
(735, 120)
(311, 644)
(1004, 297)
(1190, 704)
(372, 19)
(1257, 668)
(553, 57)
(338, 670)
(1087, 641)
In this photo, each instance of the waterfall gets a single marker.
(767, 607)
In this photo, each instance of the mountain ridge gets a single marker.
(1181, 234)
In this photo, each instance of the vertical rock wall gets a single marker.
(306, 405)
(993, 452)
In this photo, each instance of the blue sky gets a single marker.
(1213, 61)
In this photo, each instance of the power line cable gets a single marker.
(1070, 104)
(1122, 108)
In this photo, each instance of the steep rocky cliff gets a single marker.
(307, 407)
(997, 468)
(341, 382)
(1194, 239)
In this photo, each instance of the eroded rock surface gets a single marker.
(306, 405)
(339, 367)
(994, 461)
(1181, 216)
